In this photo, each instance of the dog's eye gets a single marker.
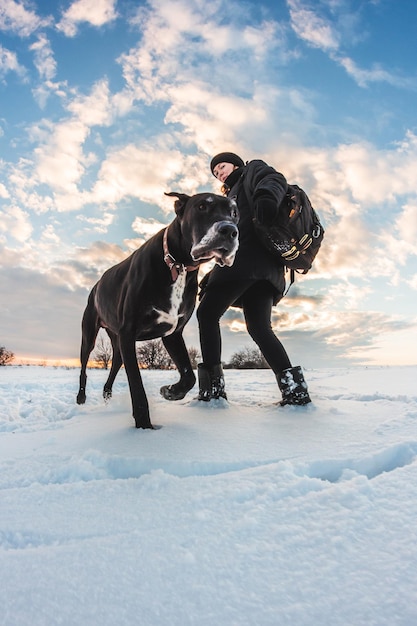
(234, 214)
(202, 207)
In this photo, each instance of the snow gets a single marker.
(240, 514)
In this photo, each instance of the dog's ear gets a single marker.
(179, 204)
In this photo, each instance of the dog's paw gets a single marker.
(173, 392)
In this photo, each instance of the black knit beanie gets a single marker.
(226, 157)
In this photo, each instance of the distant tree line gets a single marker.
(153, 356)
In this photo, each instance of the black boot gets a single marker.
(210, 383)
(293, 386)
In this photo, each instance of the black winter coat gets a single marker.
(252, 261)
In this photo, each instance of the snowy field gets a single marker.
(247, 514)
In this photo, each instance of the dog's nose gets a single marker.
(228, 230)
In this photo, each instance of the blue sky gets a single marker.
(106, 105)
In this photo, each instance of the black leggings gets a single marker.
(257, 300)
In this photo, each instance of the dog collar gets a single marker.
(175, 268)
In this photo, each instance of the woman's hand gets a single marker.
(266, 210)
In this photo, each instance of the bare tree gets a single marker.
(5, 356)
(152, 355)
(248, 358)
(194, 355)
(103, 352)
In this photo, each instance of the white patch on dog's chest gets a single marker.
(171, 316)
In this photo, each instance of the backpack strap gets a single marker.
(292, 281)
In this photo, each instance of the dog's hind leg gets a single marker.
(116, 364)
(90, 327)
(178, 352)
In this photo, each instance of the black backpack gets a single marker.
(296, 234)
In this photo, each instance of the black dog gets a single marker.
(152, 294)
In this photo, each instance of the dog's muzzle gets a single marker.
(220, 243)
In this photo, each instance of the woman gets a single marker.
(255, 282)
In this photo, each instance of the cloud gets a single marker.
(44, 59)
(378, 176)
(406, 224)
(9, 63)
(358, 172)
(251, 125)
(146, 227)
(331, 34)
(175, 25)
(59, 158)
(16, 223)
(41, 316)
(85, 265)
(16, 18)
(60, 163)
(312, 28)
(177, 37)
(399, 241)
(145, 173)
(375, 75)
(96, 108)
(94, 12)
(413, 282)
(49, 235)
(97, 224)
(46, 65)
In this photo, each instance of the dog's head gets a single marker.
(209, 224)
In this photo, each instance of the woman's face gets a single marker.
(223, 170)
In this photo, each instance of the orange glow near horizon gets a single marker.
(30, 360)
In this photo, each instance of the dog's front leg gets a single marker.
(178, 352)
(140, 407)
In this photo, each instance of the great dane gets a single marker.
(152, 294)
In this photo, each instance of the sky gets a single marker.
(105, 105)
(232, 513)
